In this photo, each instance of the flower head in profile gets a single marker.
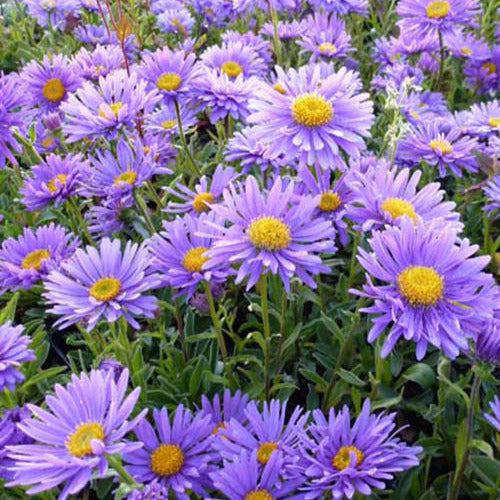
(83, 423)
(483, 119)
(49, 81)
(340, 458)
(492, 192)
(109, 217)
(27, 259)
(270, 231)
(103, 282)
(53, 181)
(175, 455)
(231, 406)
(312, 119)
(176, 21)
(100, 62)
(13, 352)
(494, 419)
(433, 292)
(112, 106)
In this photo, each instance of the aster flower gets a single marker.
(423, 17)
(225, 96)
(179, 254)
(314, 118)
(115, 176)
(234, 59)
(287, 30)
(114, 105)
(30, 257)
(50, 12)
(253, 481)
(202, 198)
(492, 192)
(49, 82)
(173, 74)
(419, 107)
(103, 282)
(267, 233)
(233, 406)
(249, 39)
(342, 7)
(84, 422)
(441, 147)
(383, 195)
(177, 455)
(435, 291)
(494, 419)
(164, 121)
(109, 217)
(100, 62)
(98, 35)
(341, 458)
(53, 181)
(464, 44)
(483, 119)
(13, 351)
(12, 98)
(176, 21)
(394, 76)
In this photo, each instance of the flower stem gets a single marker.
(441, 60)
(76, 212)
(267, 331)
(141, 205)
(276, 39)
(117, 466)
(216, 321)
(190, 158)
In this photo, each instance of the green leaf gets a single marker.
(313, 377)
(483, 446)
(487, 468)
(350, 377)
(460, 441)
(420, 373)
(9, 311)
(195, 381)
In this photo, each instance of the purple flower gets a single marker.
(176, 21)
(342, 7)
(85, 421)
(177, 455)
(483, 119)
(103, 282)
(233, 406)
(49, 82)
(98, 35)
(266, 232)
(251, 40)
(287, 30)
(13, 351)
(100, 62)
(434, 291)
(30, 257)
(52, 12)
(163, 122)
(494, 419)
(310, 119)
(341, 459)
(492, 192)
(108, 218)
(53, 181)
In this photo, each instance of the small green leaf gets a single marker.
(420, 373)
(350, 377)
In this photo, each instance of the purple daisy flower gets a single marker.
(103, 282)
(342, 7)
(176, 21)
(287, 30)
(441, 147)
(492, 192)
(245, 479)
(203, 197)
(49, 82)
(494, 419)
(234, 59)
(488, 339)
(249, 39)
(177, 455)
(424, 17)
(269, 232)
(483, 71)
(13, 351)
(100, 62)
(233, 406)
(225, 96)
(173, 74)
(109, 217)
(314, 118)
(53, 181)
(30, 257)
(394, 76)
(114, 105)
(12, 99)
(50, 12)
(383, 195)
(483, 119)
(98, 35)
(85, 421)
(435, 291)
(464, 44)
(179, 254)
(116, 176)
(341, 459)
(164, 121)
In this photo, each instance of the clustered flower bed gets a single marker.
(249, 249)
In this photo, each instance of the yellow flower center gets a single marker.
(398, 207)
(169, 124)
(327, 47)
(201, 200)
(494, 121)
(442, 145)
(259, 495)
(269, 233)
(169, 81)
(438, 9)
(232, 69)
(78, 444)
(218, 427)
(342, 459)
(53, 90)
(105, 289)
(115, 109)
(466, 51)
(329, 202)
(312, 110)
(279, 88)
(265, 451)
(490, 67)
(167, 460)
(34, 259)
(57, 182)
(194, 259)
(127, 177)
(414, 114)
(421, 285)
(48, 142)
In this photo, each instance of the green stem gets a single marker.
(36, 158)
(76, 211)
(154, 195)
(276, 38)
(9, 400)
(441, 60)
(352, 266)
(190, 158)
(216, 321)
(141, 205)
(117, 466)
(282, 330)
(267, 331)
